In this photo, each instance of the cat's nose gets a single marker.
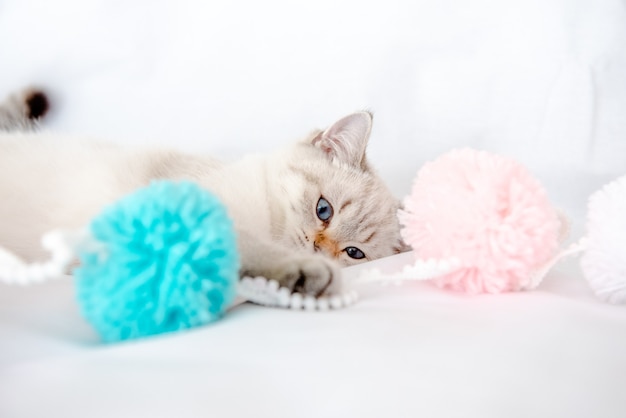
(326, 244)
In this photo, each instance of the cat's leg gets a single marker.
(299, 271)
(21, 111)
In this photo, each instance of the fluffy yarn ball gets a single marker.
(486, 211)
(165, 260)
(604, 262)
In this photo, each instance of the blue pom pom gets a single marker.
(168, 261)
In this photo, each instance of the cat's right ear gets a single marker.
(346, 140)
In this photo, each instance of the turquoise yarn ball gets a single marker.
(165, 260)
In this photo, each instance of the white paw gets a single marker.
(309, 274)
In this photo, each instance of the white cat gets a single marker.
(299, 212)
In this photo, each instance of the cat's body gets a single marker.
(295, 210)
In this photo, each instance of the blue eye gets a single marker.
(354, 252)
(324, 210)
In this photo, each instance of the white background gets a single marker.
(541, 81)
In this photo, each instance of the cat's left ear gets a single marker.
(346, 140)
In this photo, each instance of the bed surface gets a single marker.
(540, 81)
(411, 350)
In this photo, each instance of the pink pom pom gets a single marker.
(489, 213)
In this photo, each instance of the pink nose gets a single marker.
(326, 244)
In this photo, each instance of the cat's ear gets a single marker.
(346, 140)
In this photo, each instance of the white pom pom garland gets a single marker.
(604, 262)
(61, 246)
(268, 293)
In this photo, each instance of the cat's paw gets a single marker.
(309, 274)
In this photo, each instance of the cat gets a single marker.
(300, 212)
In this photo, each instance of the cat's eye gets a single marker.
(354, 252)
(324, 210)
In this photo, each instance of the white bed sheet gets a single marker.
(412, 350)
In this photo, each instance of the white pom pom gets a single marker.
(297, 301)
(310, 303)
(604, 262)
(323, 304)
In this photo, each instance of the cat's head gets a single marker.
(333, 201)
